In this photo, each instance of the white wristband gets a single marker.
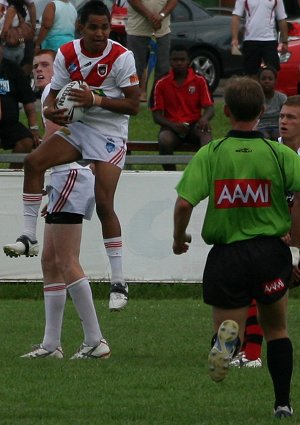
(93, 96)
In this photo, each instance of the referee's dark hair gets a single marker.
(244, 97)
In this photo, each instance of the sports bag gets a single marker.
(14, 36)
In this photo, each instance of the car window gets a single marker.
(188, 11)
(181, 13)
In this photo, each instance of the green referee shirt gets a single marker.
(245, 178)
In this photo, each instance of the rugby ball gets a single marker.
(75, 113)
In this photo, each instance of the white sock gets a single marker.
(31, 206)
(113, 248)
(82, 298)
(54, 298)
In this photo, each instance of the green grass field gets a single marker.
(142, 127)
(157, 374)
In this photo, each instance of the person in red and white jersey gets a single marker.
(71, 199)
(113, 94)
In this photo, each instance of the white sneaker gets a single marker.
(40, 352)
(118, 296)
(22, 246)
(224, 347)
(236, 359)
(242, 361)
(101, 351)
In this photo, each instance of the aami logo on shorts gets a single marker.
(237, 193)
(275, 286)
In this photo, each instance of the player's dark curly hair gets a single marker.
(93, 7)
(244, 97)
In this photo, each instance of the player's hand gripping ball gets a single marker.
(74, 113)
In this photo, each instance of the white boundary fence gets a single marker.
(144, 203)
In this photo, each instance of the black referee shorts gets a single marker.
(236, 273)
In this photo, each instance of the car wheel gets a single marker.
(206, 64)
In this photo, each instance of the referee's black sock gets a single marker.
(280, 365)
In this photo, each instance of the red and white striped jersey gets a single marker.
(106, 75)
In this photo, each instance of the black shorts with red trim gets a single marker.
(235, 273)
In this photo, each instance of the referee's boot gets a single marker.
(225, 344)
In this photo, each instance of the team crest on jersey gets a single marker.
(237, 193)
(102, 69)
(110, 145)
(192, 89)
(72, 68)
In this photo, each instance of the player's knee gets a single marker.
(104, 209)
(48, 263)
(31, 164)
(166, 138)
(23, 145)
(274, 329)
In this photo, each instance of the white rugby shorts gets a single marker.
(72, 191)
(93, 145)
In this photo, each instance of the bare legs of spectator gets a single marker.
(23, 146)
(143, 96)
(168, 141)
